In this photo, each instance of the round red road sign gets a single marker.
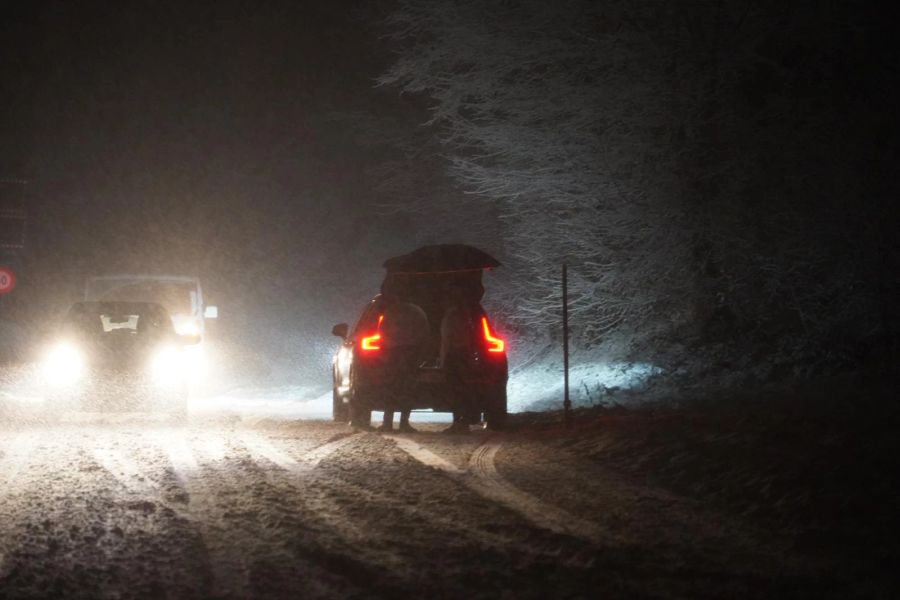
(7, 280)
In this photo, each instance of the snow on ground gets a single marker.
(279, 400)
(305, 510)
(540, 386)
(287, 402)
(534, 387)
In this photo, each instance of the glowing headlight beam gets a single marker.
(63, 364)
(168, 367)
(187, 327)
(196, 360)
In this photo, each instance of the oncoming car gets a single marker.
(110, 356)
(180, 295)
(474, 385)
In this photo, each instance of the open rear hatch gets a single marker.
(423, 276)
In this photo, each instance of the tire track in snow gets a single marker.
(226, 558)
(325, 505)
(17, 451)
(548, 516)
(425, 456)
(16, 454)
(482, 477)
(127, 472)
(320, 453)
(259, 447)
(181, 457)
(479, 534)
(317, 499)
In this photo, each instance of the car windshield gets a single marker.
(177, 297)
(117, 319)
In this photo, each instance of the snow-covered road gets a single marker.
(223, 508)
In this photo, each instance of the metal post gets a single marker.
(567, 404)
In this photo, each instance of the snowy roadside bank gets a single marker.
(812, 460)
(593, 381)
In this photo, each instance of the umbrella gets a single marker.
(441, 258)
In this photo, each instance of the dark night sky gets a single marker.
(236, 141)
(196, 138)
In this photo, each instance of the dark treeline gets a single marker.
(718, 174)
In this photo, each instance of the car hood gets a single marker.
(120, 352)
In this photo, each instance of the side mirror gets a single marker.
(189, 340)
(211, 312)
(341, 330)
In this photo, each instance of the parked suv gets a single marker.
(365, 378)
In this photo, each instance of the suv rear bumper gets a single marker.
(430, 388)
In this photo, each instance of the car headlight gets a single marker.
(167, 367)
(63, 365)
(186, 326)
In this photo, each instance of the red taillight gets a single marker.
(494, 344)
(372, 342)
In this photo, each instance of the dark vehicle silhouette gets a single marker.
(117, 356)
(475, 385)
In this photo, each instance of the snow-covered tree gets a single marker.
(541, 108)
(656, 147)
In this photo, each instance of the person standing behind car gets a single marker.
(456, 346)
(405, 331)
